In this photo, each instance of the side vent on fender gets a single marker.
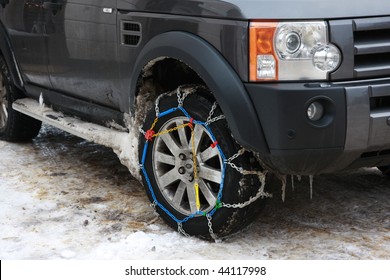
(131, 33)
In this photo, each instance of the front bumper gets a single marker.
(354, 132)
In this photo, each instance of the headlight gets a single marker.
(291, 51)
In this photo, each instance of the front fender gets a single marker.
(219, 77)
(8, 54)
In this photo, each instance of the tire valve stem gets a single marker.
(196, 186)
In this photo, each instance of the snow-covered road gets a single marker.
(65, 198)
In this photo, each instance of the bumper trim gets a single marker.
(367, 125)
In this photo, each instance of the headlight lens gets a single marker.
(292, 43)
(326, 58)
(300, 51)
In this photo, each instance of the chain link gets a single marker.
(233, 157)
(182, 96)
(141, 130)
(239, 169)
(236, 155)
(179, 97)
(211, 231)
(210, 118)
(181, 230)
(157, 103)
(211, 112)
(156, 106)
(221, 117)
(260, 194)
(171, 129)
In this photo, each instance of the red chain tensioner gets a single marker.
(149, 135)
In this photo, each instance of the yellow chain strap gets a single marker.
(151, 135)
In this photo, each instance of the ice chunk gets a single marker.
(311, 178)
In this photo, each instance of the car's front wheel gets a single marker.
(188, 170)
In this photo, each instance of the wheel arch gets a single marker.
(215, 72)
(6, 51)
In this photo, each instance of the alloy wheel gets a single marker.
(174, 168)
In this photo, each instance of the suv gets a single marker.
(201, 99)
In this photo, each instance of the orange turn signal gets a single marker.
(261, 43)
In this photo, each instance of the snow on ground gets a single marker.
(62, 197)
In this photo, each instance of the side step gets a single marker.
(89, 131)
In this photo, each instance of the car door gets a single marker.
(83, 50)
(28, 28)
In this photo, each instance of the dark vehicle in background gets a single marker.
(200, 99)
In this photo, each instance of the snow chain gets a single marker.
(182, 93)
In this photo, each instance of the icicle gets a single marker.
(292, 183)
(41, 102)
(299, 177)
(283, 178)
(311, 177)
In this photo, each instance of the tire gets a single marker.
(168, 170)
(14, 126)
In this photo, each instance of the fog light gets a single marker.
(315, 111)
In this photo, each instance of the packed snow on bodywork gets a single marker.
(62, 197)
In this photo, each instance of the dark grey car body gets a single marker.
(86, 57)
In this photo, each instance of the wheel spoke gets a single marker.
(191, 197)
(164, 158)
(168, 178)
(207, 193)
(210, 174)
(198, 136)
(178, 198)
(209, 153)
(171, 144)
(182, 135)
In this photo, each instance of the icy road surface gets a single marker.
(64, 198)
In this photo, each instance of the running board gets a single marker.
(86, 130)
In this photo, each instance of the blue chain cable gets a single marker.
(147, 179)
